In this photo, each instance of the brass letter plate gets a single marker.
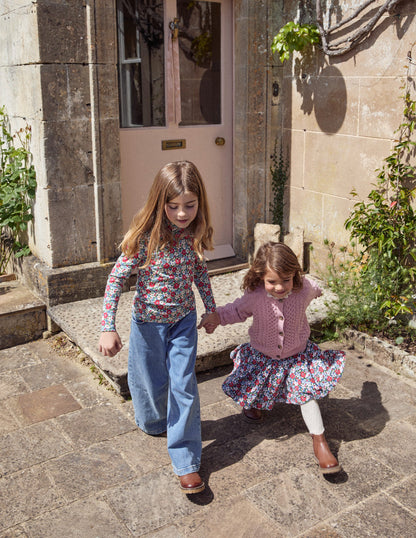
(173, 144)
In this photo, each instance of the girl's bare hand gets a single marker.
(209, 322)
(109, 343)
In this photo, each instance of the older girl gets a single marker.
(165, 243)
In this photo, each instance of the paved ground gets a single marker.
(73, 464)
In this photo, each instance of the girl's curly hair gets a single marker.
(279, 258)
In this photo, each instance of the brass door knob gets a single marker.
(220, 141)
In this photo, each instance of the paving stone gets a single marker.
(378, 517)
(144, 453)
(93, 518)
(17, 357)
(88, 426)
(44, 404)
(88, 471)
(295, 500)
(227, 469)
(25, 495)
(11, 384)
(405, 493)
(88, 393)
(394, 447)
(151, 502)
(231, 518)
(35, 444)
(8, 421)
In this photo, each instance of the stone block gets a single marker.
(265, 232)
(296, 155)
(65, 92)
(65, 284)
(327, 102)
(22, 315)
(308, 213)
(110, 151)
(68, 147)
(73, 235)
(106, 33)
(20, 15)
(62, 32)
(108, 100)
(335, 212)
(295, 240)
(337, 164)
(112, 231)
(19, 102)
(380, 117)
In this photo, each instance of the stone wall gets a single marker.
(336, 117)
(58, 73)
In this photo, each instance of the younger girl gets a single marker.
(280, 364)
(165, 243)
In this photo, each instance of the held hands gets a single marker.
(109, 343)
(210, 322)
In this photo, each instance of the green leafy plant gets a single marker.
(293, 36)
(374, 279)
(280, 174)
(385, 225)
(17, 190)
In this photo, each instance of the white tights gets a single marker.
(312, 416)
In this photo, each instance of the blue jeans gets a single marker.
(163, 387)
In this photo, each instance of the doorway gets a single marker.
(176, 101)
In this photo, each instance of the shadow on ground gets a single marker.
(229, 439)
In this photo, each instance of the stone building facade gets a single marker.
(335, 119)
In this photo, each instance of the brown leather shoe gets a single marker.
(191, 483)
(252, 415)
(328, 463)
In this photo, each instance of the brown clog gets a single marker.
(191, 483)
(327, 462)
(254, 416)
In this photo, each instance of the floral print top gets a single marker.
(164, 291)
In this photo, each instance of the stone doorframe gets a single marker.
(63, 275)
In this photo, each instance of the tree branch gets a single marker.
(341, 46)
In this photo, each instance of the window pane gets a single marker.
(141, 63)
(200, 61)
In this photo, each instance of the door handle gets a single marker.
(220, 141)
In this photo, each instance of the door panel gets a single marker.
(197, 84)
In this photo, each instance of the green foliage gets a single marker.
(279, 170)
(293, 36)
(17, 189)
(375, 280)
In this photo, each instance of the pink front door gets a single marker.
(176, 73)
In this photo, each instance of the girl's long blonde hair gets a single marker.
(172, 180)
(279, 258)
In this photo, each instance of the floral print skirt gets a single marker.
(259, 381)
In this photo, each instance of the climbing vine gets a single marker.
(280, 172)
(334, 39)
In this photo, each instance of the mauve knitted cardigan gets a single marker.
(280, 328)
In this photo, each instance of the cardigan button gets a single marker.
(279, 347)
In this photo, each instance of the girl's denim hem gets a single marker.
(187, 470)
(151, 433)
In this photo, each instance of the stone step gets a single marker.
(22, 315)
(81, 321)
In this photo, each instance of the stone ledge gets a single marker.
(382, 352)
(22, 315)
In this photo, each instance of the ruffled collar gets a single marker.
(279, 298)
